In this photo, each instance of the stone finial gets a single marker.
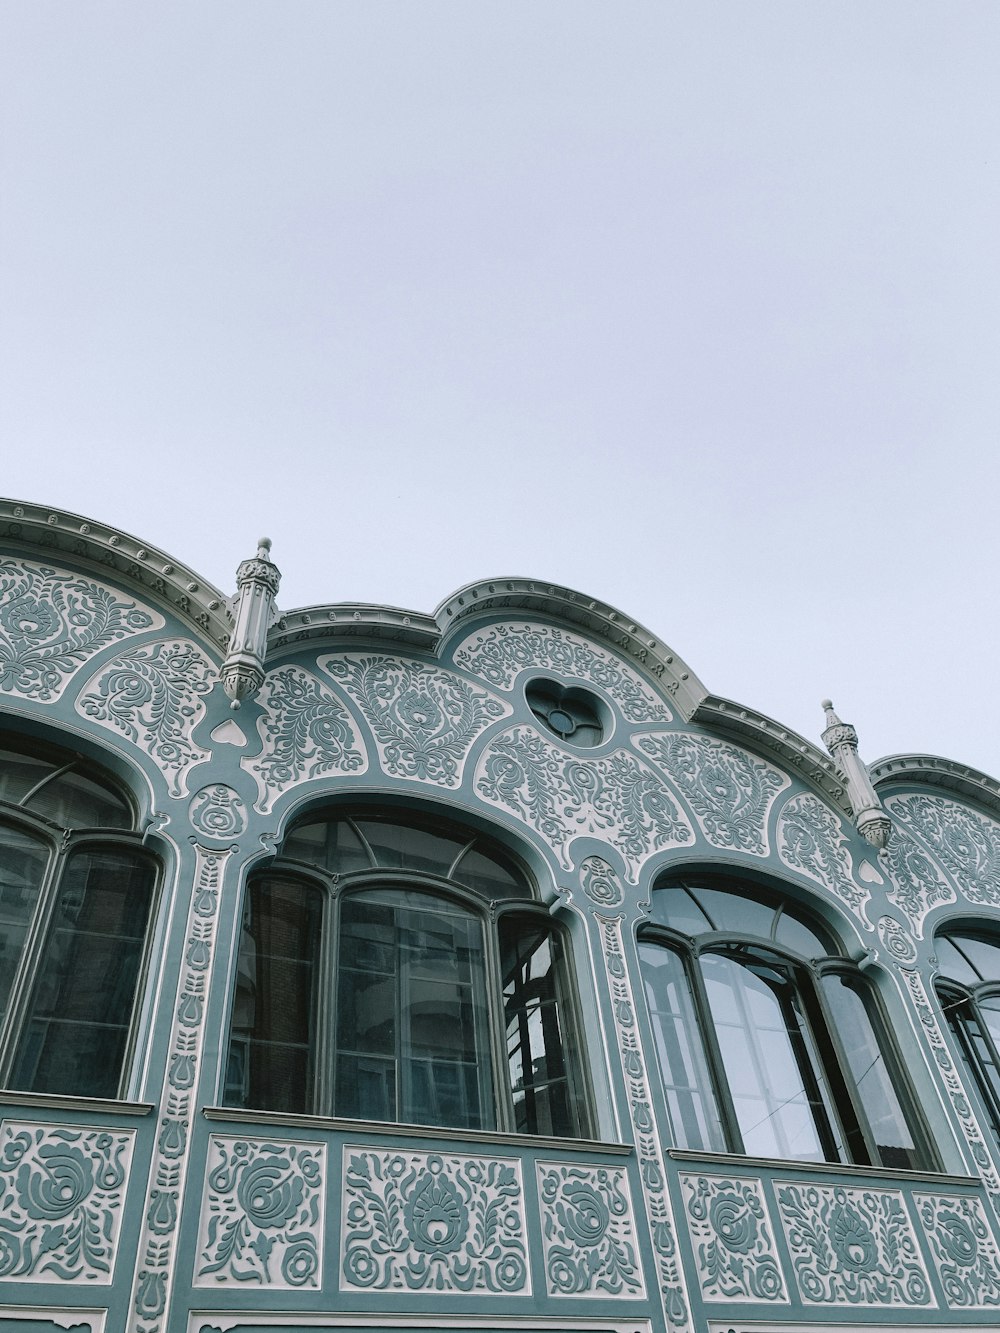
(841, 739)
(253, 610)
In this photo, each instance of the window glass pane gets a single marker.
(954, 964)
(741, 913)
(397, 847)
(274, 1008)
(691, 1103)
(328, 843)
(774, 1076)
(79, 800)
(490, 877)
(412, 1016)
(894, 1139)
(540, 1049)
(20, 772)
(984, 955)
(76, 1033)
(796, 935)
(22, 867)
(676, 907)
(989, 1010)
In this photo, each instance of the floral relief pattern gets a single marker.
(424, 720)
(617, 798)
(218, 812)
(896, 939)
(61, 1195)
(852, 1246)
(812, 839)
(157, 1248)
(600, 883)
(917, 883)
(498, 654)
(152, 695)
(588, 1235)
(52, 622)
(418, 1221)
(262, 1214)
(967, 844)
(306, 733)
(648, 1146)
(733, 1239)
(963, 1248)
(730, 791)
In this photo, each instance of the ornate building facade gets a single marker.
(372, 970)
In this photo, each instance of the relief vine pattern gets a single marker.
(963, 1248)
(733, 1239)
(306, 733)
(499, 653)
(729, 790)
(424, 720)
(157, 1249)
(52, 621)
(811, 839)
(152, 695)
(262, 1214)
(917, 883)
(588, 1235)
(61, 1194)
(648, 1147)
(617, 797)
(427, 1221)
(852, 1246)
(967, 844)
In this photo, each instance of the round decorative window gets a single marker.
(572, 714)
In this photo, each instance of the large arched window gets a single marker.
(397, 968)
(968, 986)
(770, 1041)
(76, 897)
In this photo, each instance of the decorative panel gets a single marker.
(501, 652)
(306, 733)
(262, 1214)
(917, 883)
(812, 840)
(152, 695)
(424, 720)
(967, 844)
(218, 812)
(417, 1221)
(62, 1189)
(617, 798)
(588, 1231)
(730, 790)
(53, 622)
(41, 1319)
(852, 1246)
(733, 1239)
(963, 1248)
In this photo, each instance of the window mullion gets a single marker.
(713, 1054)
(26, 972)
(503, 1096)
(327, 985)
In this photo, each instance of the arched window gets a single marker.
(397, 968)
(968, 986)
(770, 1041)
(76, 897)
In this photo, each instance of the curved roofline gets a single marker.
(100, 547)
(934, 771)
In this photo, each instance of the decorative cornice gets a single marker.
(934, 771)
(352, 620)
(738, 721)
(96, 546)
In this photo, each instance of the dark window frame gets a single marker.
(959, 1001)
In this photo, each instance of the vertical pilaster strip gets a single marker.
(652, 1170)
(156, 1256)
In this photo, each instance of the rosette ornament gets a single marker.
(253, 611)
(841, 739)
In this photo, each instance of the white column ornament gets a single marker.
(870, 816)
(253, 612)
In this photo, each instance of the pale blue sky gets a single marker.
(695, 308)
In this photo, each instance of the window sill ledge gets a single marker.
(53, 1101)
(388, 1129)
(736, 1162)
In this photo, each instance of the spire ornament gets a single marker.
(841, 739)
(253, 611)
